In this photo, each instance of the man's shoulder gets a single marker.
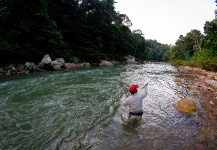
(129, 98)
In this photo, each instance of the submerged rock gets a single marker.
(177, 80)
(186, 105)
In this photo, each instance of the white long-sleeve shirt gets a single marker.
(135, 101)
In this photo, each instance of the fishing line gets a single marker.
(147, 83)
(152, 79)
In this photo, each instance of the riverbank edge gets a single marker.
(22, 69)
(206, 84)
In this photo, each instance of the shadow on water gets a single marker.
(81, 109)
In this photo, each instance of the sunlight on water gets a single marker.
(80, 109)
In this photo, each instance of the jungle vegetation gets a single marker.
(91, 30)
(77, 30)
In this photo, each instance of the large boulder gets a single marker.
(46, 63)
(46, 59)
(186, 105)
(130, 59)
(85, 64)
(58, 61)
(30, 66)
(58, 64)
(105, 63)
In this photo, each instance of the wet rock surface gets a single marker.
(186, 105)
(204, 88)
(206, 83)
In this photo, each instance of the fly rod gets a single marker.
(147, 83)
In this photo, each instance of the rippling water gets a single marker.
(80, 109)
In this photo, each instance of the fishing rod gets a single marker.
(147, 83)
(157, 80)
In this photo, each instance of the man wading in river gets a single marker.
(135, 102)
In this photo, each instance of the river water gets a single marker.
(80, 109)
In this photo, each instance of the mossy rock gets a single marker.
(186, 105)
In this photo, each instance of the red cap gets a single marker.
(133, 88)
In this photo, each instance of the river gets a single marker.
(80, 109)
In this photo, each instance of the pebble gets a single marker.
(211, 103)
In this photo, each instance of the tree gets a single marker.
(139, 45)
(90, 30)
(29, 31)
(210, 39)
(156, 51)
(192, 40)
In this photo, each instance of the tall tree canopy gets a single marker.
(85, 30)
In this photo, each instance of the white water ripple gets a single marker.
(80, 109)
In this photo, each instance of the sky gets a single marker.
(166, 20)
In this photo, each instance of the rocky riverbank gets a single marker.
(28, 67)
(47, 64)
(206, 84)
(206, 87)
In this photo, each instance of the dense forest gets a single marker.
(76, 30)
(91, 30)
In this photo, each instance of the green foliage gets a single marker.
(204, 59)
(210, 39)
(192, 39)
(178, 62)
(196, 49)
(156, 51)
(88, 30)
(186, 46)
(91, 30)
(138, 44)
